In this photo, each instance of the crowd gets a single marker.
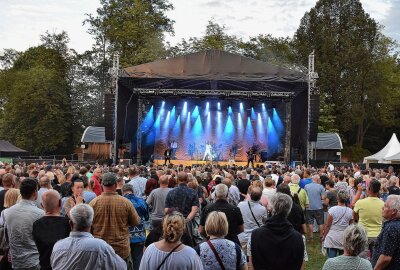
(70, 216)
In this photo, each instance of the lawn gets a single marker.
(315, 258)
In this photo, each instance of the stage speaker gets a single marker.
(314, 117)
(264, 156)
(109, 106)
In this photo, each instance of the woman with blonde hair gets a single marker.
(218, 252)
(170, 252)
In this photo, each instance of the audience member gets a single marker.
(354, 242)
(50, 228)
(44, 185)
(184, 200)
(339, 218)
(233, 214)
(253, 214)
(170, 252)
(113, 214)
(277, 245)
(368, 213)
(136, 181)
(315, 192)
(138, 233)
(156, 200)
(81, 250)
(217, 252)
(386, 254)
(19, 220)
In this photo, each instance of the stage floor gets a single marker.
(192, 162)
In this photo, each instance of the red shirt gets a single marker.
(97, 187)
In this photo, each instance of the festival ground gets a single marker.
(202, 162)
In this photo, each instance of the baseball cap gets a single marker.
(109, 179)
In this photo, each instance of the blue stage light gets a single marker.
(219, 106)
(273, 138)
(177, 127)
(276, 120)
(240, 126)
(253, 114)
(197, 129)
(219, 125)
(184, 109)
(241, 107)
(230, 110)
(229, 130)
(195, 112)
(249, 132)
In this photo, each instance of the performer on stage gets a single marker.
(167, 156)
(208, 151)
(250, 157)
(231, 157)
(174, 147)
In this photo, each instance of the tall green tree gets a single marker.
(134, 28)
(349, 48)
(36, 102)
(215, 37)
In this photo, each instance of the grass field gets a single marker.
(315, 258)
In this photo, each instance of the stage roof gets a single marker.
(214, 65)
(213, 70)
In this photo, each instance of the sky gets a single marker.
(23, 21)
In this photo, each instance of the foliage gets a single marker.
(215, 37)
(355, 153)
(36, 102)
(350, 53)
(134, 28)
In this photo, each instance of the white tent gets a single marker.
(395, 157)
(389, 153)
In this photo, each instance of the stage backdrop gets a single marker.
(230, 127)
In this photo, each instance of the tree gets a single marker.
(274, 50)
(36, 102)
(134, 28)
(349, 48)
(215, 37)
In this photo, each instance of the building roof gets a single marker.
(329, 141)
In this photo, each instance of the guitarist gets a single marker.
(250, 158)
(167, 155)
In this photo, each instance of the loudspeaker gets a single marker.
(264, 156)
(314, 117)
(109, 107)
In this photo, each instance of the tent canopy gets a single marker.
(94, 135)
(329, 141)
(9, 150)
(390, 152)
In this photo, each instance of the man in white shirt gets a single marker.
(137, 182)
(81, 250)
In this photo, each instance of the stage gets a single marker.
(210, 103)
(202, 162)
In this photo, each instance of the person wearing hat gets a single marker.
(113, 215)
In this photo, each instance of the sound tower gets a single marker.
(314, 117)
(109, 110)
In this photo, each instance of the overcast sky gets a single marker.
(22, 21)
